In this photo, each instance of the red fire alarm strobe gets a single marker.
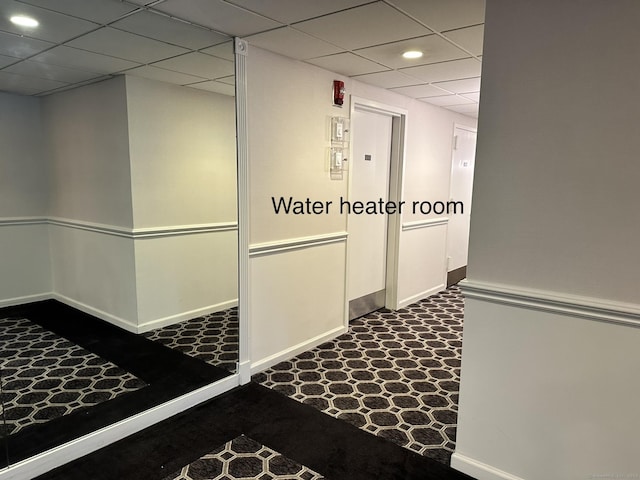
(338, 92)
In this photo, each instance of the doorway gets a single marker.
(374, 179)
(461, 189)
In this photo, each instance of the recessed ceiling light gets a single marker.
(24, 21)
(412, 54)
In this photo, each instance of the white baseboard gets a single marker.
(422, 295)
(244, 370)
(265, 363)
(44, 462)
(479, 470)
(119, 322)
(10, 302)
(181, 317)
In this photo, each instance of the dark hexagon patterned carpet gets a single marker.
(394, 374)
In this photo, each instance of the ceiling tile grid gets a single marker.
(98, 11)
(364, 26)
(348, 64)
(80, 41)
(187, 42)
(218, 15)
(54, 27)
(370, 37)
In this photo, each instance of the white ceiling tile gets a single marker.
(76, 85)
(439, 72)
(360, 27)
(447, 100)
(347, 64)
(163, 75)
(21, 47)
(466, 85)
(51, 72)
(224, 50)
(216, 87)
(391, 79)
(470, 38)
(4, 60)
(419, 91)
(83, 60)
(165, 29)
(100, 11)
(290, 11)
(230, 80)
(54, 27)
(434, 48)
(125, 45)
(472, 96)
(218, 15)
(443, 15)
(292, 43)
(199, 64)
(468, 110)
(10, 82)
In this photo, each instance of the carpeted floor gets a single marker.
(394, 374)
(243, 458)
(45, 376)
(375, 403)
(211, 338)
(332, 448)
(66, 374)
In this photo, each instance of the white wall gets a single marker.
(297, 300)
(288, 145)
(183, 176)
(24, 262)
(288, 141)
(23, 183)
(24, 241)
(88, 154)
(550, 358)
(546, 395)
(562, 179)
(87, 144)
(95, 272)
(179, 277)
(142, 202)
(183, 154)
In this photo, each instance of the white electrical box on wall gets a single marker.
(337, 157)
(339, 129)
(339, 147)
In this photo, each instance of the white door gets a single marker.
(369, 171)
(461, 190)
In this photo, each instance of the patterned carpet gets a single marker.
(244, 459)
(45, 376)
(394, 374)
(212, 338)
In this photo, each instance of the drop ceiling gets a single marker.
(188, 42)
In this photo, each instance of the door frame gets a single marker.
(456, 126)
(396, 193)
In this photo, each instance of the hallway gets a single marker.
(394, 374)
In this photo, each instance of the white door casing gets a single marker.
(461, 189)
